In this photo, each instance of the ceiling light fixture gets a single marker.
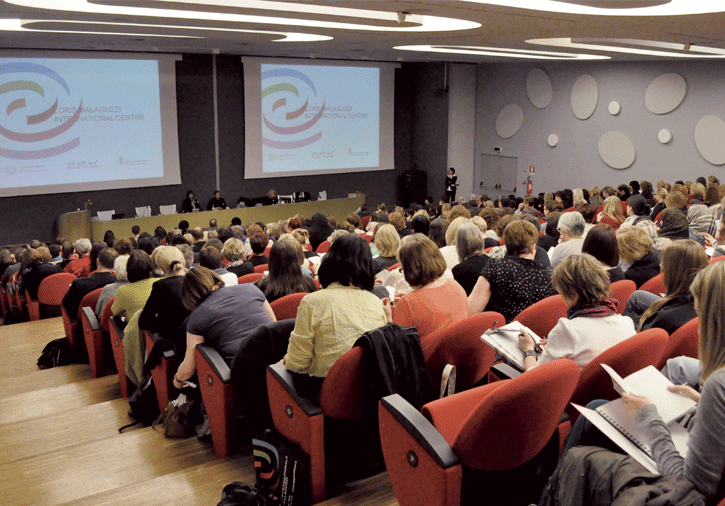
(671, 8)
(501, 52)
(416, 23)
(628, 46)
(20, 25)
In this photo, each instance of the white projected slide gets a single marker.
(78, 124)
(317, 117)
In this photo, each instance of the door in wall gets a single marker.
(495, 175)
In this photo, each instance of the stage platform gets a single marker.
(339, 208)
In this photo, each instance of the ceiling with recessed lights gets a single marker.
(424, 30)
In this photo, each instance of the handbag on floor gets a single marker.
(181, 417)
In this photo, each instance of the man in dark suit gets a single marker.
(82, 286)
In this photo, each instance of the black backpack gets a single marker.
(57, 352)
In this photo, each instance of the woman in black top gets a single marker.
(469, 245)
(190, 204)
(164, 311)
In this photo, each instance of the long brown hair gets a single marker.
(681, 262)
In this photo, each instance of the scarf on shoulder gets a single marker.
(598, 309)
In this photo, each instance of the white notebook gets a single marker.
(507, 342)
(614, 421)
(653, 384)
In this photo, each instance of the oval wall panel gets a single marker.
(665, 93)
(616, 150)
(710, 139)
(509, 120)
(584, 96)
(538, 88)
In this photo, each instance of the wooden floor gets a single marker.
(60, 445)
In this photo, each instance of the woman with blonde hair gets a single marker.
(387, 242)
(680, 264)
(233, 251)
(636, 249)
(592, 324)
(449, 250)
(303, 237)
(164, 311)
(611, 212)
(436, 301)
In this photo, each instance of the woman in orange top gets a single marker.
(436, 301)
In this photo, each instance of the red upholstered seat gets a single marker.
(93, 334)
(655, 285)
(323, 247)
(33, 307)
(683, 341)
(635, 353)
(70, 322)
(543, 315)
(53, 288)
(364, 222)
(267, 250)
(622, 290)
(228, 405)
(460, 345)
(303, 421)
(163, 373)
(116, 333)
(495, 427)
(286, 307)
(4, 300)
(394, 266)
(250, 278)
(261, 269)
(717, 259)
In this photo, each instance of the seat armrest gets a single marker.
(91, 317)
(505, 371)
(156, 337)
(284, 377)
(117, 325)
(421, 430)
(216, 362)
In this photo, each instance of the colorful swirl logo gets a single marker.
(29, 84)
(291, 134)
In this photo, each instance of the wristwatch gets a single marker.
(529, 353)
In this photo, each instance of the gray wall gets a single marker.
(575, 162)
(420, 138)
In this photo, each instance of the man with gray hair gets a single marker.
(571, 228)
(81, 267)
